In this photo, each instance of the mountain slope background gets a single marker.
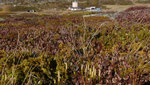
(108, 5)
(66, 2)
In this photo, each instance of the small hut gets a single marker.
(74, 6)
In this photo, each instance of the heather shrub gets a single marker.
(22, 8)
(137, 8)
(0, 9)
(73, 50)
(120, 2)
(134, 15)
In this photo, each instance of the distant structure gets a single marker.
(74, 6)
(93, 8)
(31, 11)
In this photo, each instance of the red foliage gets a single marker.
(135, 15)
(137, 8)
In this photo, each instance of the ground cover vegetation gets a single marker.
(72, 49)
(138, 14)
(22, 8)
(143, 1)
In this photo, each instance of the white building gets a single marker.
(75, 6)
